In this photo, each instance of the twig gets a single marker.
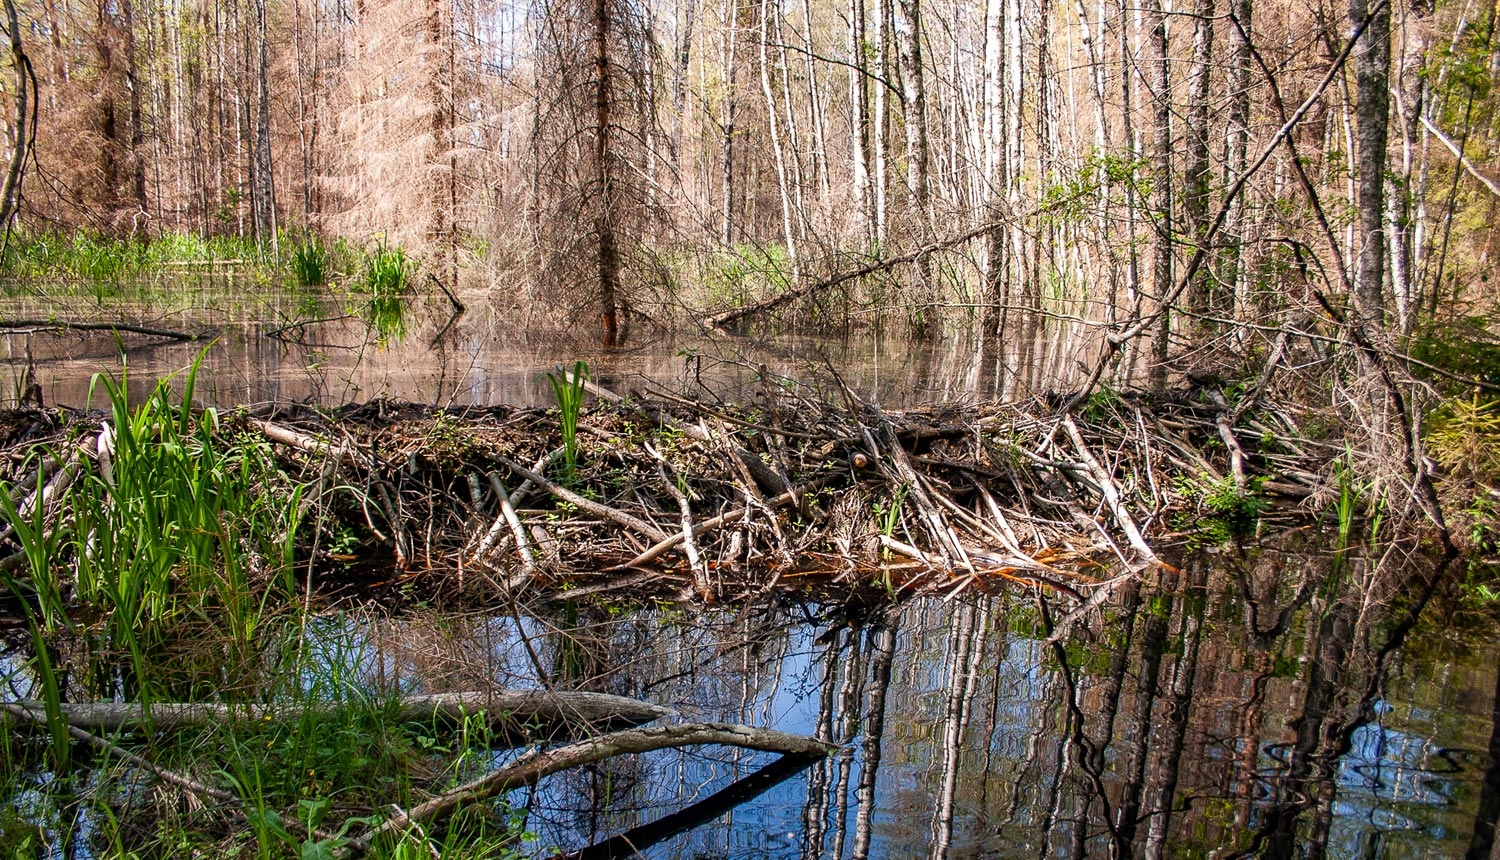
(1110, 495)
(671, 541)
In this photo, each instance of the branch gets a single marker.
(729, 318)
(1492, 185)
(530, 768)
(504, 707)
(633, 523)
(115, 327)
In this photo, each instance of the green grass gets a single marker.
(88, 257)
(310, 263)
(384, 281)
(178, 524)
(569, 394)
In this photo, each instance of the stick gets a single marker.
(502, 706)
(1488, 183)
(1110, 495)
(115, 327)
(302, 441)
(458, 306)
(507, 517)
(695, 562)
(620, 517)
(667, 543)
(38, 716)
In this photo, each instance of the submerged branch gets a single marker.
(533, 766)
(504, 708)
(112, 327)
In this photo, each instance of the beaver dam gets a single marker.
(404, 631)
(661, 496)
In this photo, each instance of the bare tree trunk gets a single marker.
(680, 81)
(796, 179)
(726, 233)
(607, 253)
(264, 182)
(1200, 299)
(787, 232)
(1237, 142)
(859, 137)
(815, 111)
(883, 26)
(1094, 50)
(918, 152)
(914, 92)
(442, 231)
(1416, 25)
(111, 153)
(1372, 61)
(10, 194)
(1132, 149)
(137, 118)
(1161, 185)
(995, 152)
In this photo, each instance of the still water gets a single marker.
(1275, 700)
(1180, 724)
(265, 345)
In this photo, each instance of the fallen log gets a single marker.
(511, 711)
(531, 767)
(103, 326)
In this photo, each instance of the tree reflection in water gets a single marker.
(1274, 703)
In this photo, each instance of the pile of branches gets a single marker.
(659, 495)
(668, 496)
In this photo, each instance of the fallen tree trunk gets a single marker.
(531, 767)
(727, 319)
(101, 326)
(506, 709)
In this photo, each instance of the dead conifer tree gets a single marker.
(591, 130)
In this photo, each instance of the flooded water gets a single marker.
(1276, 701)
(1182, 724)
(274, 345)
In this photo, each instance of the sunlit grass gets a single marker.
(384, 282)
(89, 257)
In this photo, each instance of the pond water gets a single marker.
(1276, 701)
(1181, 724)
(275, 345)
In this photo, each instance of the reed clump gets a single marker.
(156, 518)
(310, 263)
(384, 283)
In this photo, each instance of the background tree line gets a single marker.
(1096, 160)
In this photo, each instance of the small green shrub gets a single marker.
(1463, 347)
(1225, 511)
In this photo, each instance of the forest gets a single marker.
(1107, 166)
(737, 428)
